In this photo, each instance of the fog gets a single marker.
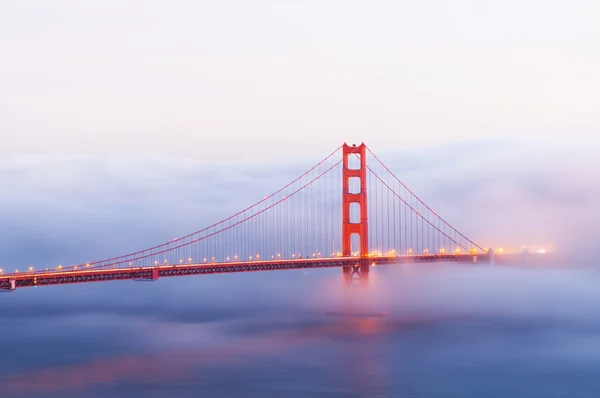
(192, 334)
(201, 330)
(128, 124)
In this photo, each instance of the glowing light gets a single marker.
(180, 261)
(235, 258)
(257, 256)
(542, 251)
(278, 254)
(227, 258)
(205, 260)
(156, 263)
(87, 265)
(500, 250)
(189, 260)
(1, 270)
(31, 268)
(75, 267)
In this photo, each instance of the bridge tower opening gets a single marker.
(357, 274)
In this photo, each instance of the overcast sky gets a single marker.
(243, 80)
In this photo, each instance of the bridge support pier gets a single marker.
(356, 275)
(12, 285)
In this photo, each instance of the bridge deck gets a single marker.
(85, 275)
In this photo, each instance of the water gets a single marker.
(450, 331)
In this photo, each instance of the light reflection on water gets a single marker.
(453, 331)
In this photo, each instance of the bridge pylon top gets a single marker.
(362, 144)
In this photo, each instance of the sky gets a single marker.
(253, 81)
(488, 110)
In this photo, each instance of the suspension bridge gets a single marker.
(349, 211)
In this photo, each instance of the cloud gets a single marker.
(128, 333)
(510, 192)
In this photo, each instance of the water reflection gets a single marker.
(183, 363)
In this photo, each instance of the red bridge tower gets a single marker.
(359, 273)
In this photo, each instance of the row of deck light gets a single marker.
(375, 253)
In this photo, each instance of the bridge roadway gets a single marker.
(103, 274)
